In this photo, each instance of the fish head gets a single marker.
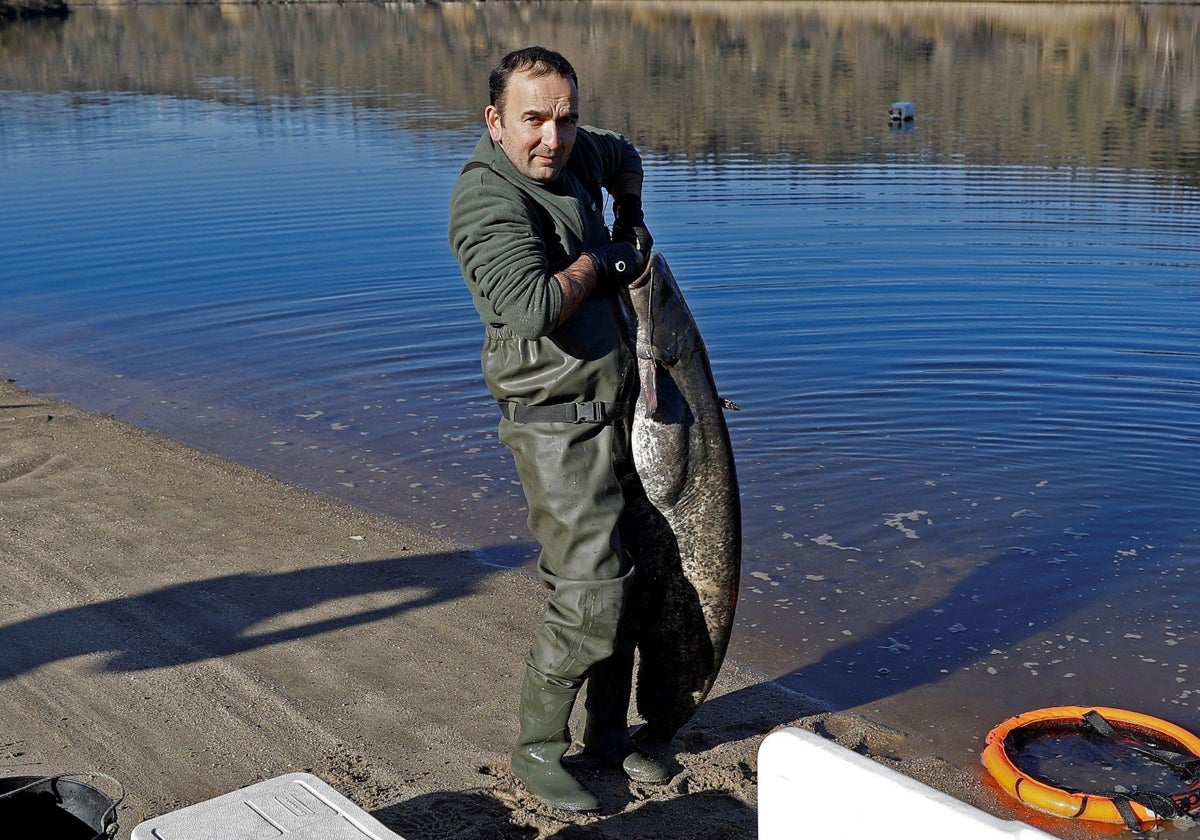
(662, 331)
(664, 327)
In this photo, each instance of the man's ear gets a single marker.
(491, 115)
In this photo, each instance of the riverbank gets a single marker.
(190, 626)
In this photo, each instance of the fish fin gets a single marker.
(648, 376)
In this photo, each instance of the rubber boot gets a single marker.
(542, 742)
(606, 727)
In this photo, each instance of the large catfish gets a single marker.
(683, 524)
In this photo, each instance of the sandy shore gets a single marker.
(190, 626)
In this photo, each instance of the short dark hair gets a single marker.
(539, 61)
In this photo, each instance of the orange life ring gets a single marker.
(1083, 806)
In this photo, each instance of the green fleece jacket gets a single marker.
(511, 234)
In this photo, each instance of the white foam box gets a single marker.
(295, 806)
(809, 786)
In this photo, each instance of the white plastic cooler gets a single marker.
(296, 806)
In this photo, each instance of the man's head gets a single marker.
(534, 111)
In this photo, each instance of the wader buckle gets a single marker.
(575, 413)
(590, 412)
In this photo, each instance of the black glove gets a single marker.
(618, 264)
(629, 225)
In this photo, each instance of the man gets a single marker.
(527, 225)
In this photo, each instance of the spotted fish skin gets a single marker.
(683, 520)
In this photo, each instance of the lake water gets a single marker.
(966, 348)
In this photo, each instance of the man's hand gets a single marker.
(629, 225)
(618, 264)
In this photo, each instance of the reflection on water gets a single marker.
(1060, 84)
(965, 352)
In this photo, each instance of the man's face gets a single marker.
(537, 126)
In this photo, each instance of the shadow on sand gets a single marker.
(216, 617)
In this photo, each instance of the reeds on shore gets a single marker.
(20, 9)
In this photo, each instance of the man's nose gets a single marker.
(552, 134)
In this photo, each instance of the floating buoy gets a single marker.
(902, 112)
(1151, 739)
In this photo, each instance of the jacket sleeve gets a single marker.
(498, 238)
(604, 155)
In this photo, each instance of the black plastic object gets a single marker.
(58, 807)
